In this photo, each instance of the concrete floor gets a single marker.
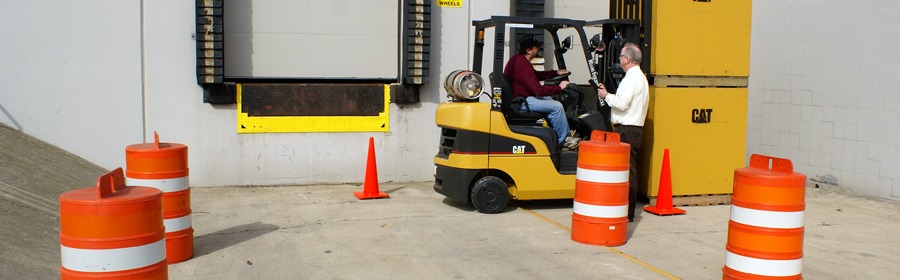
(324, 232)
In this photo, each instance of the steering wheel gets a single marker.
(556, 80)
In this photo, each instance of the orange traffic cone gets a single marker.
(664, 197)
(370, 187)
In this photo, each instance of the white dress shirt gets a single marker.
(629, 104)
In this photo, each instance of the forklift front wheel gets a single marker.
(490, 195)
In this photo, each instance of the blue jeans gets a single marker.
(554, 112)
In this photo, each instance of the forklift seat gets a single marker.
(512, 106)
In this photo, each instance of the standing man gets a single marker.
(524, 81)
(628, 111)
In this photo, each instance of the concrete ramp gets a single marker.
(33, 174)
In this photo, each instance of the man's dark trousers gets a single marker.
(632, 135)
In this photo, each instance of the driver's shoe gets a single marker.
(571, 143)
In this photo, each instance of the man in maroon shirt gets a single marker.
(524, 81)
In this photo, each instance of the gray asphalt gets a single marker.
(324, 232)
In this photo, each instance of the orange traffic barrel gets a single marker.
(165, 166)
(112, 231)
(600, 207)
(765, 233)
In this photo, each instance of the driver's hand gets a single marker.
(563, 84)
(562, 71)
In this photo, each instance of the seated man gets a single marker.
(524, 81)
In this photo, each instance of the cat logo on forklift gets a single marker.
(518, 149)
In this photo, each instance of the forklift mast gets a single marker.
(639, 11)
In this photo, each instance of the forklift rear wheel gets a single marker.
(490, 195)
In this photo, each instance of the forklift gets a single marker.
(493, 152)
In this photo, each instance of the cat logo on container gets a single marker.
(701, 115)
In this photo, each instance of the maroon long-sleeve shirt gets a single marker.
(524, 79)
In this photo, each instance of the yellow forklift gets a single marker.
(492, 152)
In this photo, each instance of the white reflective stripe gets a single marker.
(107, 260)
(177, 224)
(766, 219)
(600, 211)
(599, 176)
(165, 185)
(519, 25)
(763, 267)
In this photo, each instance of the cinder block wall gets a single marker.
(824, 80)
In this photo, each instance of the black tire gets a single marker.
(490, 195)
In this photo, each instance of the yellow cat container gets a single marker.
(705, 130)
(701, 38)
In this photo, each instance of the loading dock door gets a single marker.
(312, 39)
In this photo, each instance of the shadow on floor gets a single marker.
(211, 242)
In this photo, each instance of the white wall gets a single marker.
(71, 74)
(824, 90)
(74, 77)
(220, 156)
